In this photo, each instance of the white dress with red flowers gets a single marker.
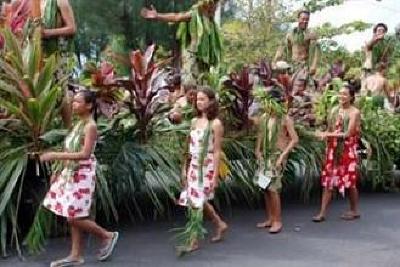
(71, 193)
(199, 191)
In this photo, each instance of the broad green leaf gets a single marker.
(11, 89)
(46, 77)
(17, 111)
(34, 111)
(12, 46)
(18, 170)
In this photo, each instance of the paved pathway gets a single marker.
(373, 241)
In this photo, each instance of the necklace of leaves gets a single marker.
(340, 141)
(270, 138)
(299, 36)
(204, 150)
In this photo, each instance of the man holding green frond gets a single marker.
(200, 38)
(301, 49)
(275, 140)
(379, 49)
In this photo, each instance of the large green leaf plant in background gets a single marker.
(29, 95)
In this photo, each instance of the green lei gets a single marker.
(204, 150)
(270, 137)
(187, 112)
(204, 35)
(74, 145)
(299, 38)
(337, 155)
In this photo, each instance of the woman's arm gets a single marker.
(90, 132)
(67, 15)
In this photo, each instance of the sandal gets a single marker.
(67, 262)
(107, 251)
(318, 219)
(349, 216)
(266, 224)
(275, 230)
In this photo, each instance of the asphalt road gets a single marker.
(372, 241)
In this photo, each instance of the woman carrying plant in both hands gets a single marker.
(201, 169)
(72, 189)
(341, 161)
(275, 140)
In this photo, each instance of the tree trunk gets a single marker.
(269, 13)
(218, 14)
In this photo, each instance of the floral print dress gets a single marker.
(71, 193)
(199, 189)
(340, 169)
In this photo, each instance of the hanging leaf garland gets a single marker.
(202, 35)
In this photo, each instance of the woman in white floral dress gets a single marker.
(71, 191)
(200, 172)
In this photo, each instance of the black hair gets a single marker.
(90, 98)
(176, 79)
(383, 25)
(212, 111)
(303, 12)
(352, 88)
(188, 87)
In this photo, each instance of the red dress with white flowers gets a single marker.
(198, 190)
(71, 193)
(344, 174)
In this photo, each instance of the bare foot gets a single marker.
(182, 250)
(265, 224)
(276, 228)
(219, 232)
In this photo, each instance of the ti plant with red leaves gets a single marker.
(265, 72)
(103, 81)
(147, 89)
(240, 84)
(14, 16)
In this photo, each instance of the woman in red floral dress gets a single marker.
(71, 191)
(341, 161)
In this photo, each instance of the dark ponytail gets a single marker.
(90, 98)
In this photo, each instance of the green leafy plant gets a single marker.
(29, 94)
